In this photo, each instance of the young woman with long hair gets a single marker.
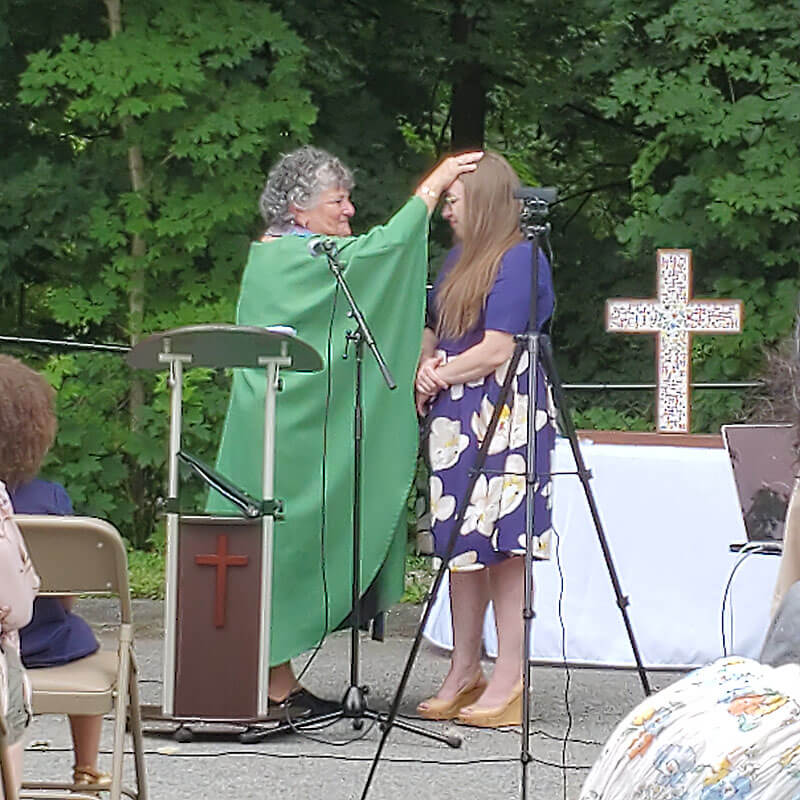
(480, 301)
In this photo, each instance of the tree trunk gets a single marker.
(468, 103)
(135, 300)
(138, 246)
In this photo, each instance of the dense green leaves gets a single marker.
(715, 86)
(131, 166)
(205, 94)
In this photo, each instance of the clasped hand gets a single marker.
(428, 382)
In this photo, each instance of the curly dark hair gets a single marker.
(27, 421)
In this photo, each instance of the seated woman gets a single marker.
(18, 586)
(308, 194)
(55, 635)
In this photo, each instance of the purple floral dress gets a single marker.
(494, 524)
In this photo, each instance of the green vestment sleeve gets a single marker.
(283, 285)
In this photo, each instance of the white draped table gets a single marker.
(670, 514)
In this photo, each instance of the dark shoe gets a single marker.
(303, 700)
(301, 704)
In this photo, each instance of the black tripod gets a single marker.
(534, 225)
(354, 703)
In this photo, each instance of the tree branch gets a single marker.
(599, 118)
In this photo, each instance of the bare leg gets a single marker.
(507, 591)
(86, 731)
(282, 681)
(469, 596)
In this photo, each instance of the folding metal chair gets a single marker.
(83, 555)
(8, 789)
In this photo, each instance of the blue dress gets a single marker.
(54, 635)
(494, 524)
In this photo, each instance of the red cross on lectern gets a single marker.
(221, 560)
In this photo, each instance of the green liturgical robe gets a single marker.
(284, 285)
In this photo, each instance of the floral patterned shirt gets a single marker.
(728, 730)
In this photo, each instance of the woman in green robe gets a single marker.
(308, 193)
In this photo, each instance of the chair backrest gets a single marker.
(77, 555)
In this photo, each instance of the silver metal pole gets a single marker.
(531, 484)
(272, 366)
(176, 362)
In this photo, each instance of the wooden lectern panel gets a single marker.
(217, 625)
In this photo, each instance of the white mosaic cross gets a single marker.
(673, 317)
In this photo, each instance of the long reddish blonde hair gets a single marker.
(490, 222)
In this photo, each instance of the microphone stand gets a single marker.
(354, 704)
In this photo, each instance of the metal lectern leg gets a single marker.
(271, 365)
(176, 362)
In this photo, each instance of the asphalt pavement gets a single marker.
(573, 713)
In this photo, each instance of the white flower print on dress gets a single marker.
(519, 421)
(457, 389)
(547, 493)
(484, 506)
(466, 562)
(552, 410)
(518, 435)
(513, 484)
(541, 544)
(500, 372)
(480, 424)
(442, 505)
(446, 443)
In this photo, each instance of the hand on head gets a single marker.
(444, 174)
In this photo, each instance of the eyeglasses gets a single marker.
(450, 200)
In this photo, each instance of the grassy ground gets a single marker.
(146, 570)
(146, 574)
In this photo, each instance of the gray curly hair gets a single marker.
(298, 179)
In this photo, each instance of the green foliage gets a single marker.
(146, 573)
(769, 313)
(206, 93)
(713, 87)
(702, 100)
(664, 123)
(605, 418)
(419, 576)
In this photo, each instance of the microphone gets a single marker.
(320, 245)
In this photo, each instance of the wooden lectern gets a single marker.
(219, 569)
